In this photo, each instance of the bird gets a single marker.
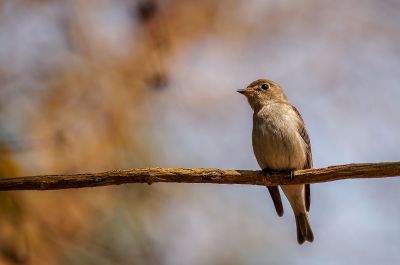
(281, 143)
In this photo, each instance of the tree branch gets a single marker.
(200, 175)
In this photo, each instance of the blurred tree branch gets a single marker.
(200, 175)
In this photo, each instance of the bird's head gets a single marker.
(261, 92)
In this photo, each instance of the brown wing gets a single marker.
(276, 198)
(309, 161)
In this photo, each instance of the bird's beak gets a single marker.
(247, 91)
(242, 91)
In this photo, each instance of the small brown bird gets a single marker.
(280, 142)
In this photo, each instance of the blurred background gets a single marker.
(89, 86)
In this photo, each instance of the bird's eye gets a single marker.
(265, 86)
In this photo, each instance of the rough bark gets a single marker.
(200, 175)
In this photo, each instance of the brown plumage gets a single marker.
(281, 142)
(276, 199)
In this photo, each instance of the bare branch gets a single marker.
(200, 175)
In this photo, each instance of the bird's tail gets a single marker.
(304, 231)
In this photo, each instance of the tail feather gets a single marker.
(300, 237)
(304, 232)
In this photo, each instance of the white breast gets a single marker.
(277, 143)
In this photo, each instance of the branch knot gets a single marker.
(212, 175)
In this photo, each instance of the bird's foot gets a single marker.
(291, 175)
(266, 172)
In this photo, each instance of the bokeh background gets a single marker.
(88, 86)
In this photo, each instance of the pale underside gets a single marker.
(279, 145)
